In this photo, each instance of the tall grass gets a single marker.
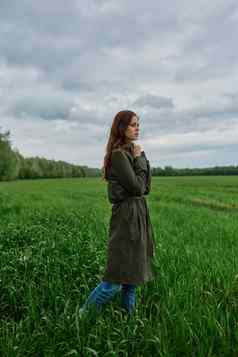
(53, 237)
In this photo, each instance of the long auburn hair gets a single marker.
(117, 138)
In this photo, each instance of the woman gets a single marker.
(131, 245)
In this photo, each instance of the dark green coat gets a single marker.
(131, 244)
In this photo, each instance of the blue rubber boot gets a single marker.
(128, 297)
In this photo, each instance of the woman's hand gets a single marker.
(137, 150)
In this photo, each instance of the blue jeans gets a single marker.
(105, 291)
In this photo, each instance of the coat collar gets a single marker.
(129, 147)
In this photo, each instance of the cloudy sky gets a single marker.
(67, 67)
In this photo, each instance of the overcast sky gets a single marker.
(67, 67)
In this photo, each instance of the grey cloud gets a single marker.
(71, 81)
(76, 84)
(49, 36)
(200, 73)
(210, 51)
(222, 156)
(195, 119)
(41, 106)
(154, 101)
(179, 149)
(83, 62)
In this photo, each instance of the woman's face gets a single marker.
(132, 131)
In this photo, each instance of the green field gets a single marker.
(53, 238)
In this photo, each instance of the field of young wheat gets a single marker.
(53, 238)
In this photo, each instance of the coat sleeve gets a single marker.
(148, 181)
(133, 180)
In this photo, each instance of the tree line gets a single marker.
(14, 166)
(206, 171)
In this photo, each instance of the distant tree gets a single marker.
(169, 170)
(8, 158)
